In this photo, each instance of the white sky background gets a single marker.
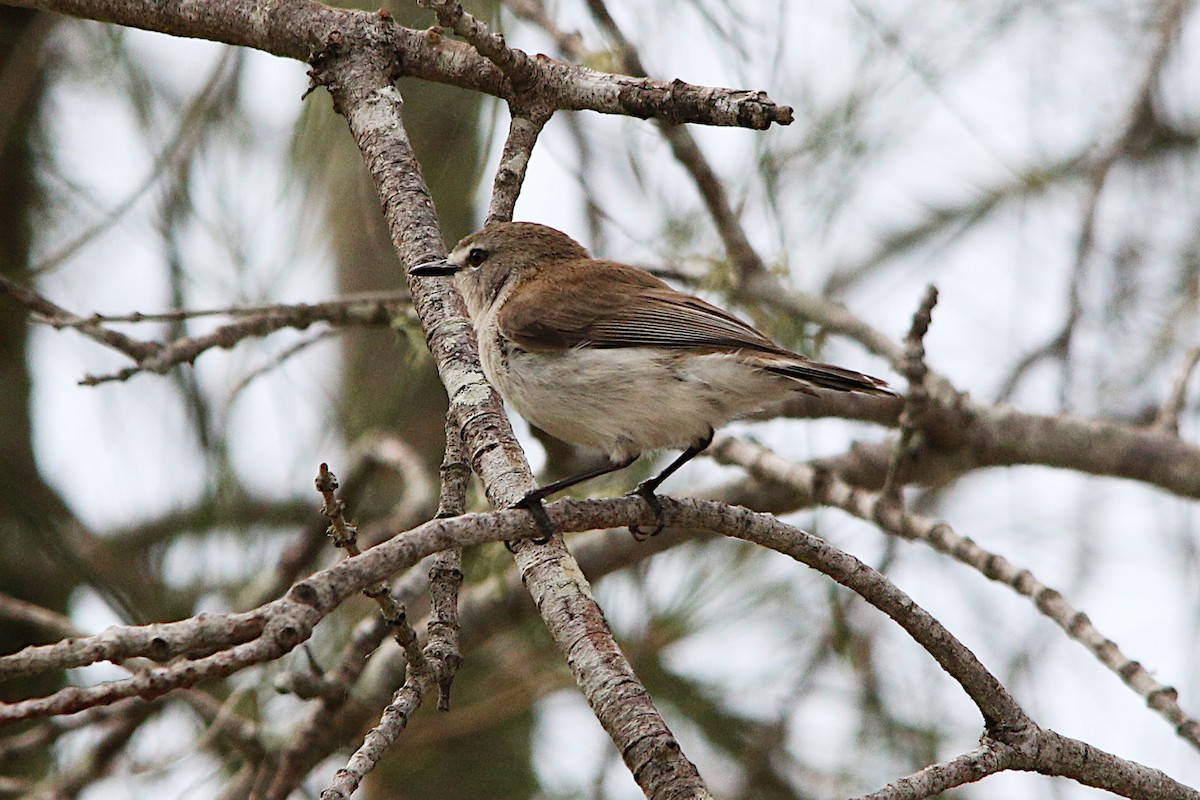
(948, 111)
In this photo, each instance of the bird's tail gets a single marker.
(826, 376)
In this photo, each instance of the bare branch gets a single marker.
(158, 642)
(29, 298)
(1043, 751)
(446, 571)
(362, 308)
(987, 759)
(186, 349)
(317, 734)
(516, 65)
(14, 608)
(260, 320)
(292, 28)
(1139, 113)
(395, 719)
(345, 536)
(968, 436)
(524, 129)
(916, 401)
(292, 617)
(828, 489)
(1168, 416)
(362, 92)
(484, 612)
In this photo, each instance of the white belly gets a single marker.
(627, 400)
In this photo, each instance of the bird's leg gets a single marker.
(534, 506)
(647, 488)
(532, 501)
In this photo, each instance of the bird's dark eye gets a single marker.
(477, 256)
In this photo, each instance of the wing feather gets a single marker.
(549, 314)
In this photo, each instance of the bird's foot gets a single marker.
(532, 502)
(645, 490)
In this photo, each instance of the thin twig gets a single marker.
(420, 674)
(278, 360)
(261, 320)
(446, 573)
(916, 401)
(1168, 416)
(354, 308)
(23, 611)
(1139, 113)
(516, 64)
(318, 735)
(31, 299)
(185, 350)
(828, 489)
(524, 127)
(345, 536)
(407, 700)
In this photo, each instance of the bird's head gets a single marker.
(498, 257)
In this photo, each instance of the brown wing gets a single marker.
(560, 318)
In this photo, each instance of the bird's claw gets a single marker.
(646, 492)
(533, 504)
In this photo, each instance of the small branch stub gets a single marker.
(1168, 416)
(345, 536)
(916, 401)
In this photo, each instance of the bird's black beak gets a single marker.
(433, 268)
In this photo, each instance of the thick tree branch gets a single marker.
(294, 28)
(360, 84)
(292, 618)
(967, 436)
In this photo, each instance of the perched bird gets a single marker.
(607, 356)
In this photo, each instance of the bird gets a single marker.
(607, 356)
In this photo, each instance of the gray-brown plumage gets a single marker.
(608, 356)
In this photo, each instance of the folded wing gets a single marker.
(661, 317)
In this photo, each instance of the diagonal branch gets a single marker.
(523, 132)
(1139, 114)
(134, 348)
(517, 66)
(360, 84)
(828, 489)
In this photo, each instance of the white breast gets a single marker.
(625, 400)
